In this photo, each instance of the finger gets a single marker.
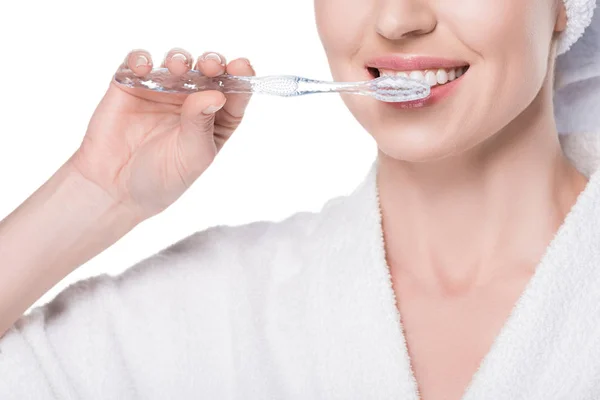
(178, 61)
(211, 64)
(139, 61)
(197, 122)
(196, 147)
(199, 109)
(234, 109)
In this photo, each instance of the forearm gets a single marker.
(66, 222)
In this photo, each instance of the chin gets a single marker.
(415, 144)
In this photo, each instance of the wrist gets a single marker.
(92, 202)
(90, 192)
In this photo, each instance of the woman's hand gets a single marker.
(145, 148)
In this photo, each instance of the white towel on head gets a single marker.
(579, 16)
(577, 94)
(582, 61)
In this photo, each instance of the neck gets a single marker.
(453, 224)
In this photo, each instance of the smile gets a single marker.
(443, 75)
(434, 77)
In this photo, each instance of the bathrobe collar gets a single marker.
(547, 349)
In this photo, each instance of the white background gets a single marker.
(289, 155)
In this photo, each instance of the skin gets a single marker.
(472, 189)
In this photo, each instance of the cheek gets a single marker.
(508, 38)
(341, 25)
(509, 42)
(492, 29)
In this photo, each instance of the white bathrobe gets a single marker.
(302, 309)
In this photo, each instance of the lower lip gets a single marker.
(438, 93)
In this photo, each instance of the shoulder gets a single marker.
(218, 247)
(213, 257)
(235, 243)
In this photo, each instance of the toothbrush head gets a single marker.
(398, 89)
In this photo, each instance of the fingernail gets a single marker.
(141, 60)
(180, 57)
(212, 109)
(213, 56)
(246, 61)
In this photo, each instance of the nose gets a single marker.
(400, 19)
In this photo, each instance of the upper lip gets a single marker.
(413, 62)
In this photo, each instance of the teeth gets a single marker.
(417, 75)
(452, 75)
(432, 77)
(442, 76)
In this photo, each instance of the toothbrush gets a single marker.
(384, 88)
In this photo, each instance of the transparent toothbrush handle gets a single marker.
(161, 80)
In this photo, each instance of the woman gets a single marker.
(464, 266)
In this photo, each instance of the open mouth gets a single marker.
(433, 77)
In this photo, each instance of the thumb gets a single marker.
(196, 142)
(198, 112)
